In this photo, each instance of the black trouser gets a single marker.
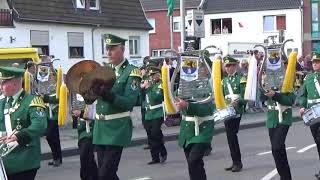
(52, 136)
(194, 155)
(232, 129)
(155, 138)
(278, 137)
(315, 130)
(25, 175)
(108, 161)
(88, 165)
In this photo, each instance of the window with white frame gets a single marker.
(89, 4)
(80, 3)
(158, 52)
(94, 4)
(221, 26)
(176, 23)
(274, 23)
(40, 40)
(75, 43)
(152, 22)
(134, 46)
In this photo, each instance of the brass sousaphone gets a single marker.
(82, 76)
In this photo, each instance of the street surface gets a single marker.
(256, 155)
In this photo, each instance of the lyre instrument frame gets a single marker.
(193, 53)
(270, 48)
(49, 86)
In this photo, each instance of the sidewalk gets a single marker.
(69, 136)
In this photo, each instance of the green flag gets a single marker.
(171, 5)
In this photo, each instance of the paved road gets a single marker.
(255, 147)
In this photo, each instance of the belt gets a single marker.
(280, 108)
(156, 106)
(197, 121)
(112, 116)
(311, 101)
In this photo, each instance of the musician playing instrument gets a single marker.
(88, 165)
(196, 132)
(154, 115)
(311, 96)
(113, 127)
(52, 133)
(279, 120)
(23, 121)
(233, 85)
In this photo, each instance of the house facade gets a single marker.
(159, 37)
(74, 30)
(235, 27)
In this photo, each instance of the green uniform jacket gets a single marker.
(126, 90)
(284, 99)
(53, 103)
(28, 115)
(238, 85)
(82, 131)
(309, 91)
(187, 132)
(153, 102)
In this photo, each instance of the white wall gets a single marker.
(4, 4)
(58, 40)
(252, 30)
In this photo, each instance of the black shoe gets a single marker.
(228, 168)
(153, 162)
(163, 159)
(237, 167)
(50, 163)
(56, 163)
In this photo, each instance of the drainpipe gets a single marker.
(302, 26)
(92, 40)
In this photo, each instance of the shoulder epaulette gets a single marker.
(243, 79)
(160, 86)
(37, 102)
(136, 73)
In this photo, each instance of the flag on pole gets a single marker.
(171, 5)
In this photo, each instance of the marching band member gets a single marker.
(196, 132)
(233, 84)
(279, 120)
(52, 133)
(154, 115)
(195, 146)
(113, 127)
(88, 165)
(311, 96)
(24, 120)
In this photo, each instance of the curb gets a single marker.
(169, 137)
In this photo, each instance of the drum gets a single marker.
(312, 115)
(3, 174)
(224, 114)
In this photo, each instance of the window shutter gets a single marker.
(39, 38)
(75, 39)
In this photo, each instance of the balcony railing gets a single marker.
(6, 17)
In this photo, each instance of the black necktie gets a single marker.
(9, 103)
